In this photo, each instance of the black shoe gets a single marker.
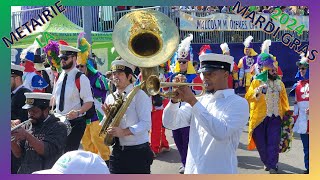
(306, 171)
(107, 162)
(273, 171)
(181, 170)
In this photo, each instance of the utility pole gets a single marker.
(87, 23)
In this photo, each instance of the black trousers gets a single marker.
(131, 160)
(78, 127)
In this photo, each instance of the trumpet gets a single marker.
(154, 85)
(27, 125)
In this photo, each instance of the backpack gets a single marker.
(91, 112)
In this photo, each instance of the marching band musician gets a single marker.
(131, 152)
(216, 119)
(67, 97)
(40, 148)
(18, 99)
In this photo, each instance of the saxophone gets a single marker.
(115, 113)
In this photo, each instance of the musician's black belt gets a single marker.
(134, 147)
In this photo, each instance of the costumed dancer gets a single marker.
(246, 62)
(91, 140)
(269, 102)
(256, 69)
(301, 107)
(233, 80)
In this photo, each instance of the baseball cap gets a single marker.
(78, 162)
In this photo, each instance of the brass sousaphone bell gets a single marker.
(144, 38)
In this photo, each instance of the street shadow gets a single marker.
(171, 157)
(243, 146)
(296, 136)
(250, 162)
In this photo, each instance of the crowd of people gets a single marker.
(290, 10)
(67, 102)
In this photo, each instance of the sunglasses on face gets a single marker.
(65, 58)
(182, 62)
(81, 66)
(302, 68)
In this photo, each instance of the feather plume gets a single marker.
(185, 44)
(224, 47)
(84, 47)
(52, 51)
(247, 41)
(265, 46)
(304, 59)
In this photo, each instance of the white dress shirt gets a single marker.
(216, 122)
(137, 117)
(72, 96)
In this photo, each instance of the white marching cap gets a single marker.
(17, 67)
(120, 64)
(212, 60)
(68, 48)
(36, 95)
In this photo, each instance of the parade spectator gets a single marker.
(77, 162)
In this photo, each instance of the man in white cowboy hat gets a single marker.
(18, 99)
(131, 152)
(78, 162)
(40, 148)
(70, 101)
(216, 119)
(300, 91)
(41, 71)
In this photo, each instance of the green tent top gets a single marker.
(63, 29)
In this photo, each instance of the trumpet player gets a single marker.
(40, 148)
(18, 99)
(131, 152)
(216, 119)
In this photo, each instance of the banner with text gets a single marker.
(229, 22)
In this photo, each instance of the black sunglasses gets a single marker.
(302, 68)
(182, 62)
(80, 66)
(65, 58)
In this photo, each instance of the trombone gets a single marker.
(154, 85)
